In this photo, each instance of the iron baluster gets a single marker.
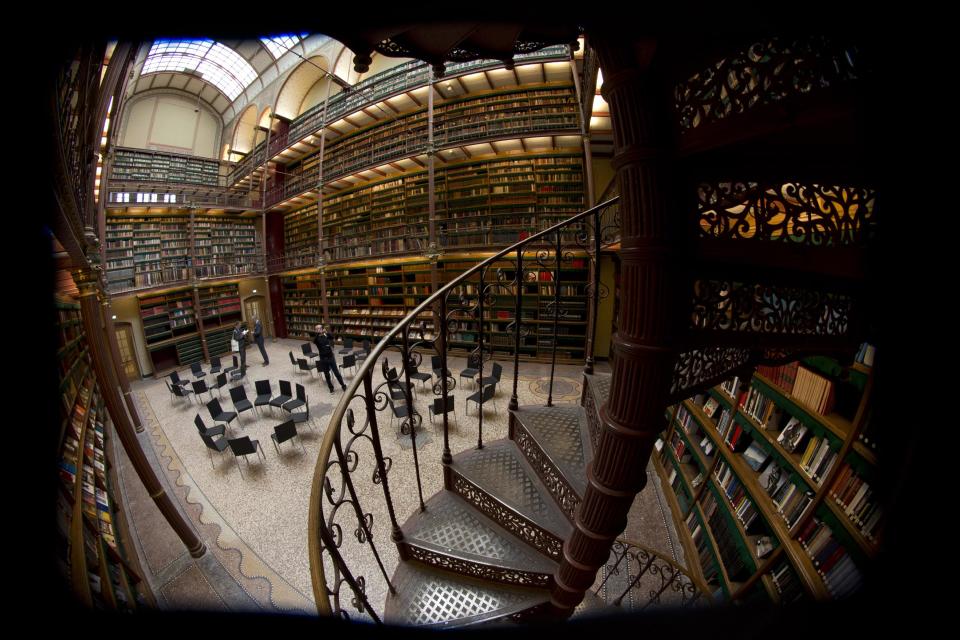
(556, 317)
(480, 357)
(396, 533)
(331, 547)
(446, 458)
(594, 310)
(412, 415)
(612, 570)
(634, 581)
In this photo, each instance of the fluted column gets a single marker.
(90, 311)
(643, 347)
(110, 335)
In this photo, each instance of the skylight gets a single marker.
(218, 64)
(278, 45)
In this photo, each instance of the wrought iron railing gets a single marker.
(636, 578)
(465, 297)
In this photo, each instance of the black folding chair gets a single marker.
(215, 445)
(218, 414)
(436, 362)
(181, 392)
(216, 430)
(240, 402)
(215, 366)
(286, 395)
(493, 379)
(176, 381)
(200, 386)
(296, 403)
(283, 432)
(243, 447)
(347, 347)
(309, 368)
(219, 384)
(293, 361)
(349, 362)
(264, 393)
(487, 396)
(307, 348)
(469, 372)
(415, 374)
(197, 370)
(366, 351)
(437, 409)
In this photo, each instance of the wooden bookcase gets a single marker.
(149, 251)
(819, 516)
(220, 310)
(140, 165)
(90, 550)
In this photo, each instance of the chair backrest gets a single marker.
(214, 408)
(199, 422)
(207, 440)
(438, 405)
(285, 389)
(237, 394)
(285, 430)
(178, 390)
(199, 386)
(392, 375)
(174, 377)
(215, 361)
(305, 347)
(349, 360)
(348, 343)
(436, 362)
(301, 393)
(221, 380)
(292, 361)
(488, 392)
(169, 388)
(241, 446)
(302, 363)
(263, 387)
(366, 346)
(196, 368)
(497, 370)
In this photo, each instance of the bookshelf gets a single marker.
(140, 165)
(90, 551)
(773, 482)
(149, 251)
(479, 204)
(219, 310)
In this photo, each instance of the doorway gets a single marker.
(255, 307)
(128, 356)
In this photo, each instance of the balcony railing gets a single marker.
(356, 418)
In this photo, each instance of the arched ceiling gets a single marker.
(253, 52)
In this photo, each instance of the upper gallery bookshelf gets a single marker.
(148, 251)
(90, 549)
(479, 204)
(773, 481)
(531, 110)
(141, 165)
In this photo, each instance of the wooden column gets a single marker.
(110, 336)
(196, 295)
(643, 355)
(433, 246)
(90, 311)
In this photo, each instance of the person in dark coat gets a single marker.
(240, 335)
(324, 342)
(258, 338)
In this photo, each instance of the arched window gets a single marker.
(216, 63)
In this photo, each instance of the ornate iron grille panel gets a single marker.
(769, 309)
(636, 578)
(792, 212)
(763, 73)
(696, 367)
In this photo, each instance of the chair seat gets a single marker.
(218, 430)
(300, 416)
(345, 351)
(421, 376)
(293, 404)
(226, 416)
(488, 380)
(401, 410)
(475, 397)
(279, 401)
(242, 405)
(469, 371)
(261, 400)
(215, 370)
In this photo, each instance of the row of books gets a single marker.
(704, 554)
(813, 391)
(743, 506)
(859, 502)
(790, 501)
(726, 538)
(818, 458)
(830, 558)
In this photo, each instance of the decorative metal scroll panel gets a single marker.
(695, 367)
(764, 73)
(792, 212)
(769, 309)
(636, 578)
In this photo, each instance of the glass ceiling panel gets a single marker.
(217, 63)
(278, 45)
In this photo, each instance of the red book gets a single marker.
(834, 557)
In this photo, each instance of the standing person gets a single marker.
(258, 338)
(240, 336)
(324, 342)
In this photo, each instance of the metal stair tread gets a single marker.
(452, 526)
(434, 598)
(501, 471)
(560, 433)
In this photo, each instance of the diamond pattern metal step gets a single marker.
(434, 598)
(452, 534)
(596, 390)
(499, 482)
(560, 433)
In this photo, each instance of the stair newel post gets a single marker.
(446, 458)
(480, 358)
(362, 523)
(396, 534)
(518, 280)
(412, 415)
(556, 316)
(594, 294)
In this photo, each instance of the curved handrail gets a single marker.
(315, 520)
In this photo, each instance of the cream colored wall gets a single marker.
(318, 93)
(603, 173)
(601, 346)
(127, 310)
(168, 122)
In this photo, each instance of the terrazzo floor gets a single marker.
(255, 525)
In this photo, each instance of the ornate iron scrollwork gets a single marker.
(791, 212)
(390, 47)
(763, 73)
(769, 309)
(647, 577)
(695, 367)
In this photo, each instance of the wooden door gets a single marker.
(128, 356)
(253, 308)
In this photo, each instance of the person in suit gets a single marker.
(240, 336)
(258, 338)
(324, 342)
